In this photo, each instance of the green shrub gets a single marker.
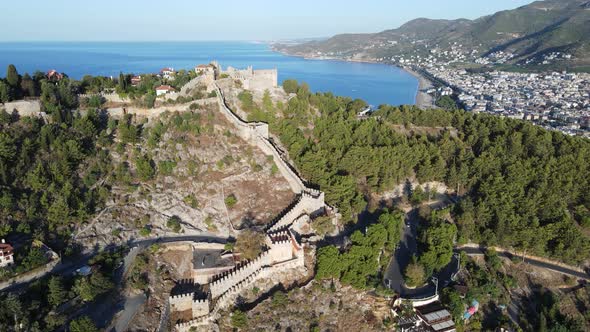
(231, 201)
(191, 201)
(290, 86)
(174, 224)
(279, 299)
(166, 167)
(323, 225)
(239, 319)
(145, 231)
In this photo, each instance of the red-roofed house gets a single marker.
(6, 254)
(135, 80)
(167, 73)
(164, 89)
(54, 75)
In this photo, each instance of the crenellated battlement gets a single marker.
(181, 297)
(284, 250)
(233, 277)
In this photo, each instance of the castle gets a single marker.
(217, 272)
(251, 79)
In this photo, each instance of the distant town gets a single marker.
(554, 100)
(558, 101)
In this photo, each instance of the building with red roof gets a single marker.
(54, 75)
(164, 89)
(6, 254)
(167, 72)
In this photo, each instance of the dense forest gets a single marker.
(518, 185)
(368, 254)
(44, 191)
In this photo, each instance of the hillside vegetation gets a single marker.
(521, 186)
(529, 32)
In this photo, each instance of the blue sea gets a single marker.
(375, 83)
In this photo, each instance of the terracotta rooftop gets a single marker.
(164, 88)
(6, 248)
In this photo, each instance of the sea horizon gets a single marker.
(375, 83)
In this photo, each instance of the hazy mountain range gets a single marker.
(529, 32)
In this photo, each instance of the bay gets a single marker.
(375, 83)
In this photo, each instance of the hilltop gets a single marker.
(528, 33)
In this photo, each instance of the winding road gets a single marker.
(119, 311)
(534, 262)
(394, 275)
(70, 266)
(408, 247)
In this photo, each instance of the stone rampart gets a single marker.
(308, 204)
(110, 97)
(235, 276)
(257, 134)
(23, 107)
(200, 307)
(232, 291)
(186, 302)
(281, 251)
(285, 252)
(181, 302)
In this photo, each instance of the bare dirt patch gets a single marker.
(323, 305)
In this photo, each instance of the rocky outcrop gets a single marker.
(285, 252)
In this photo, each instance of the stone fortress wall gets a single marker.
(187, 302)
(229, 297)
(284, 251)
(260, 79)
(257, 134)
(23, 107)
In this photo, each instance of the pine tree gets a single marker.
(122, 83)
(13, 80)
(5, 92)
(56, 294)
(28, 86)
(12, 77)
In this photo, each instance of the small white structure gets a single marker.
(164, 89)
(6, 254)
(167, 73)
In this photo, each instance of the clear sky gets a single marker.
(130, 20)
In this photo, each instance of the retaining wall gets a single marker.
(110, 97)
(31, 275)
(23, 107)
(425, 301)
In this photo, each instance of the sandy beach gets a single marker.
(423, 99)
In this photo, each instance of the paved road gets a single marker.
(132, 304)
(68, 267)
(534, 262)
(394, 275)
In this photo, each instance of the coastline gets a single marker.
(422, 100)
